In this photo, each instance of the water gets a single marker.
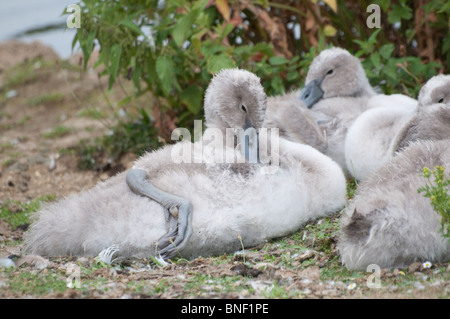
(17, 17)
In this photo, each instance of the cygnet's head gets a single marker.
(335, 73)
(431, 123)
(436, 90)
(235, 99)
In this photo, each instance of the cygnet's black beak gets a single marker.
(247, 124)
(249, 142)
(311, 93)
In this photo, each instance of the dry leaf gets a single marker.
(311, 273)
(306, 255)
(332, 4)
(224, 9)
(311, 26)
(276, 30)
(5, 230)
(33, 260)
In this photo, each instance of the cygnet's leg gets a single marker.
(177, 211)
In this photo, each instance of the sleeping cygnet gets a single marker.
(369, 143)
(294, 121)
(337, 91)
(222, 207)
(388, 222)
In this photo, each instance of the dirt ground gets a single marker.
(34, 163)
(30, 154)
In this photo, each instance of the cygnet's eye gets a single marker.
(243, 108)
(441, 100)
(330, 72)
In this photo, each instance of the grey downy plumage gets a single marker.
(388, 223)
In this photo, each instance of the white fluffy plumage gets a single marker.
(372, 139)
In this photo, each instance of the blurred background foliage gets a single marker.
(170, 49)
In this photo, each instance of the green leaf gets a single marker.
(183, 27)
(399, 13)
(124, 101)
(200, 5)
(87, 45)
(386, 50)
(384, 4)
(192, 97)
(376, 60)
(114, 58)
(446, 43)
(209, 49)
(277, 84)
(226, 29)
(165, 72)
(445, 8)
(277, 60)
(132, 26)
(137, 73)
(373, 36)
(244, 51)
(218, 62)
(292, 76)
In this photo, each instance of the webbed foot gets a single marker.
(177, 213)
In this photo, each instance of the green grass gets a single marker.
(280, 292)
(5, 146)
(335, 271)
(26, 72)
(35, 283)
(8, 126)
(204, 284)
(16, 213)
(48, 98)
(92, 113)
(58, 132)
(98, 279)
(352, 185)
(12, 158)
(23, 120)
(21, 74)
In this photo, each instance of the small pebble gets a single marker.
(11, 93)
(7, 263)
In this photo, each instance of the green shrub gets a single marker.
(172, 48)
(438, 193)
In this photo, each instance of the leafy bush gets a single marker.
(172, 48)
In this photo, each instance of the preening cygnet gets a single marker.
(388, 223)
(226, 208)
(234, 99)
(370, 140)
